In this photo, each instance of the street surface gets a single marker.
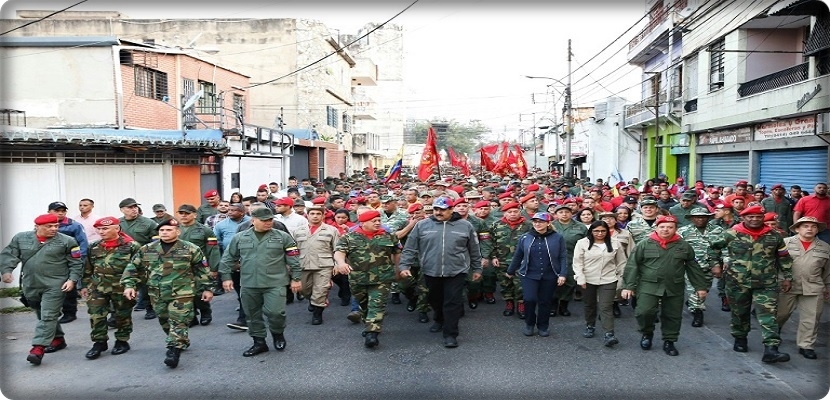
(494, 360)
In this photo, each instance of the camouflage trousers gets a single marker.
(395, 287)
(694, 301)
(488, 279)
(99, 305)
(372, 299)
(511, 288)
(766, 307)
(174, 316)
(414, 287)
(566, 291)
(721, 285)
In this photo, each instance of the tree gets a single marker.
(463, 138)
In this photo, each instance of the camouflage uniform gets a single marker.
(172, 279)
(482, 227)
(572, 232)
(700, 244)
(202, 236)
(640, 229)
(204, 211)
(102, 278)
(719, 222)
(680, 212)
(373, 270)
(752, 275)
(395, 222)
(502, 245)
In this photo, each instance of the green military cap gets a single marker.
(426, 193)
(387, 198)
(698, 212)
(189, 208)
(648, 202)
(262, 214)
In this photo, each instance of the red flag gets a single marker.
(372, 171)
(491, 149)
(465, 165)
(429, 157)
(486, 161)
(519, 166)
(454, 161)
(503, 164)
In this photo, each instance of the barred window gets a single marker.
(331, 117)
(716, 69)
(207, 103)
(150, 83)
(239, 105)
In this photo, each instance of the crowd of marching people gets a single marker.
(442, 245)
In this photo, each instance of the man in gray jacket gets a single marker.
(452, 245)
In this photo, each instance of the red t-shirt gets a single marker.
(812, 206)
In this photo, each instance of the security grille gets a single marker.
(37, 157)
(96, 158)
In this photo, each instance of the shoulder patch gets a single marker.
(292, 251)
(75, 252)
(212, 241)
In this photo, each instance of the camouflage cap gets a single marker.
(648, 202)
(387, 198)
(699, 212)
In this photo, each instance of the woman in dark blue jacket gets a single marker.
(541, 260)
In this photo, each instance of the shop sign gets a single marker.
(801, 126)
(727, 136)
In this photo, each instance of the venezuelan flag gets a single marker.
(395, 171)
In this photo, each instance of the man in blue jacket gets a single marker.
(75, 230)
(452, 244)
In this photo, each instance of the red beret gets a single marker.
(510, 205)
(106, 221)
(754, 210)
(211, 193)
(607, 193)
(319, 200)
(458, 189)
(533, 188)
(263, 186)
(770, 216)
(352, 201)
(777, 186)
(414, 207)
(527, 197)
(460, 200)
(483, 203)
(723, 205)
(284, 201)
(665, 219)
(699, 185)
(741, 183)
(549, 191)
(505, 195)
(368, 215)
(633, 190)
(46, 219)
(360, 199)
(577, 199)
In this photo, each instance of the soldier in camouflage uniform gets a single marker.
(699, 234)
(572, 231)
(369, 255)
(414, 287)
(393, 220)
(757, 255)
(142, 230)
(499, 250)
(643, 226)
(105, 264)
(202, 236)
(174, 271)
(484, 220)
(724, 219)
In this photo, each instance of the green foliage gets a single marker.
(463, 138)
(12, 310)
(10, 292)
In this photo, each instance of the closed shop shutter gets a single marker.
(299, 163)
(26, 189)
(724, 169)
(255, 171)
(803, 167)
(108, 185)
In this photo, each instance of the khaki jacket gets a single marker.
(317, 249)
(811, 268)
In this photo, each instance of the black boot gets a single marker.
(772, 355)
(279, 341)
(172, 359)
(668, 347)
(554, 307)
(740, 345)
(371, 339)
(645, 341)
(563, 309)
(97, 349)
(120, 347)
(616, 310)
(697, 318)
(259, 346)
(396, 298)
(206, 318)
(317, 318)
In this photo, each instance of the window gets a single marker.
(150, 83)
(716, 64)
(690, 88)
(239, 106)
(347, 123)
(207, 103)
(331, 117)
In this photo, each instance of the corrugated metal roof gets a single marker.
(195, 138)
(60, 41)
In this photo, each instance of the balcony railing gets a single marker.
(775, 80)
(651, 101)
(823, 62)
(656, 18)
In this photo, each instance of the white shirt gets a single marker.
(293, 221)
(87, 223)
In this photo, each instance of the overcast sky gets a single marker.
(464, 59)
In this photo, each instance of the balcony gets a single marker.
(789, 76)
(364, 73)
(643, 112)
(366, 143)
(364, 109)
(654, 35)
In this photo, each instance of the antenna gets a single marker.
(192, 100)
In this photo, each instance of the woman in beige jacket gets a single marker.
(598, 265)
(623, 238)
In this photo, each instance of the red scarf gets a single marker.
(805, 245)
(754, 233)
(663, 242)
(369, 235)
(313, 228)
(514, 224)
(41, 239)
(121, 239)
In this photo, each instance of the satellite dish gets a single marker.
(192, 100)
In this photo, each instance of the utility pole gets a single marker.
(568, 118)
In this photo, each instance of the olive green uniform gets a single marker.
(202, 236)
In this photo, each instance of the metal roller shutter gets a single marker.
(724, 169)
(803, 167)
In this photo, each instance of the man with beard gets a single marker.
(778, 204)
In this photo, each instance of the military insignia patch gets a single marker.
(75, 252)
(212, 241)
(292, 251)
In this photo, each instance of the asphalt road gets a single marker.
(494, 360)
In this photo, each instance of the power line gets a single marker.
(335, 51)
(41, 19)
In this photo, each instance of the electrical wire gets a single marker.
(43, 18)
